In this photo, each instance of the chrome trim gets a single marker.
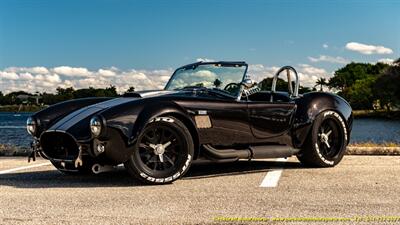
(294, 93)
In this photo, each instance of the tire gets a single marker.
(321, 151)
(69, 169)
(163, 152)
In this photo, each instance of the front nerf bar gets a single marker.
(37, 151)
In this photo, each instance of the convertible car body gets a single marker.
(207, 111)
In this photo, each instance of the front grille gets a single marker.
(59, 145)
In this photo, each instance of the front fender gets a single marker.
(312, 104)
(152, 111)
(126, 122)
(50, 115)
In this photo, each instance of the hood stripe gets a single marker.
(80, 114)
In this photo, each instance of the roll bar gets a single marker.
(292, 93)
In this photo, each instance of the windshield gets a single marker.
(214, 76)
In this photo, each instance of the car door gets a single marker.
(229, 121)
(270, 119)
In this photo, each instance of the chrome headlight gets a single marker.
(31, 126)
(96, 126)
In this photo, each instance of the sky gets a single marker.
(46, 44)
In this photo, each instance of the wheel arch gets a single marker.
(191, 127)
(165, 109)
(313, 104)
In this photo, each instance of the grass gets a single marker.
(371, 148)
(9, 150)
(372, 144)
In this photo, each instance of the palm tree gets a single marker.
(130, 89)
(321, 82)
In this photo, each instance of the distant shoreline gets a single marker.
(376, 114)
(23, 109)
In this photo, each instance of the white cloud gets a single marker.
(72, 71)
(368, 49)
(204, 74)
(204, 60)
(48, 79)
(325, 46)
(18, 78)
(258, 72)
(106, 73)
(54, 78)
(26, 76)
(312, 70)
(327, 58)
(386, 60)
(8, 75)
(36, 69)
(308, 74)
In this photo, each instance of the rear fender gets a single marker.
(310, 105)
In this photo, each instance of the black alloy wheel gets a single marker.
(326, 144)
(163, 152)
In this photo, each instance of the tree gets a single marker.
(111, 91)
(355, 83)
(64, 93)
(130, 89)
(266, 84)
(361, 95)
(387, 86)
(321, 82)
(281, 85)
(345, 77)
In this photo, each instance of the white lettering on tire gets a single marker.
(329, 162)
(170, 178)
(165, 119)
(335, 114)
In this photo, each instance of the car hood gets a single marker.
(77, 122)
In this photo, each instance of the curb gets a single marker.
(373, 151)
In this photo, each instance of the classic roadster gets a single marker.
(207, 111)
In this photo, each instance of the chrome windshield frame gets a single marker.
(222, 63)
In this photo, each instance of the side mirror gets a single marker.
(248, 83)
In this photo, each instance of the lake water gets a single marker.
(13, 131)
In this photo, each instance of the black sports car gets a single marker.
(207, 110)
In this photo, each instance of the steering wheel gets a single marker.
(231, 86)
(292, 93)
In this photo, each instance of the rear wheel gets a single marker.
(163, 152)
(326, 144)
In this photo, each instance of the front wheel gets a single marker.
(163, 152)
(326, 144)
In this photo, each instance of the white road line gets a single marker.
(272, 177)
(24, 168)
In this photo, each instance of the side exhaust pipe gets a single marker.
(252, 152)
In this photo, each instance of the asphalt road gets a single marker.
(359, 186)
